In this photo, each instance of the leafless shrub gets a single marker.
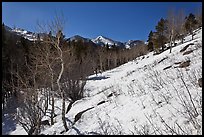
(198, 45)
(157, 82)
(142, 129)
(108, 128)
(30, 113)
(130, 90)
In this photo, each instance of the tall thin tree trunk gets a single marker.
(12, 81)
(52, 110)
(46, 101)
(63, 113)
(59, 86)
(52, 96)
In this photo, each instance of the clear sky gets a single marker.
(120, 21)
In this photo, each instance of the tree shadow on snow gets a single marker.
(98, 78)
(8, 117)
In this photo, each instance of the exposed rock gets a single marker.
(45, 122)
(187, 52)
(110, 95)
(184, 64)
(200, 82)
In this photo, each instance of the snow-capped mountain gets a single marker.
(24, 33)
(101, 40)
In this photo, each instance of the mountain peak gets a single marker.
(99, 40)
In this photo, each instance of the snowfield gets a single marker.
(149, 95)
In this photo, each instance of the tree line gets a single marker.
(175, 27)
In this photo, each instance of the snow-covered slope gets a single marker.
(151, 95)
(26, 34)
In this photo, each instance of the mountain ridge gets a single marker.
(99, 40)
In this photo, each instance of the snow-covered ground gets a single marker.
(139, 97)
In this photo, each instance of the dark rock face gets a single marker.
(184, 64)
(45, 122)
(200, 82)
(111, 94)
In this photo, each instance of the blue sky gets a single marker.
(120, 21)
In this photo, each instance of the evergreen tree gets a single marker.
(3, 34)
(107, 46)
(114, 47)
(161, 29)
(50, 34)
(150, 41)
(190, 24)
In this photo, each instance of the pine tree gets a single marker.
(107, 46)
(161, 29)
(150, 41)
(190, 24)
(155, 41)
(3, 35)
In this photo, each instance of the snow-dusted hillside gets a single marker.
(154, 94)
(24, 33)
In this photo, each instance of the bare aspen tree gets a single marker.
(101, 54)
(114, 58)
(180, 20)
(171, 27)
(57, 24)
(30, 111)
(56, 41)
(46, 57)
